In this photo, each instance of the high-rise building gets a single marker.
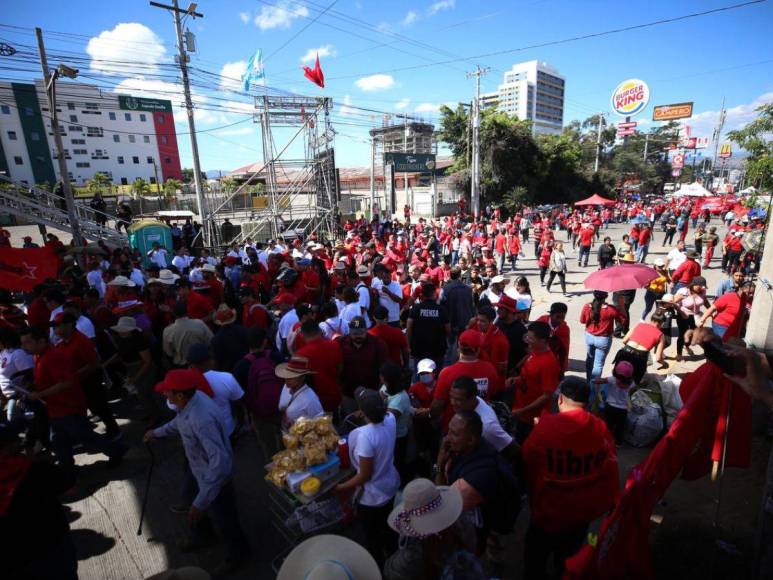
(122, 136)
(411, 137)
(531, 90)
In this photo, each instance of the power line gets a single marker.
(302, 29)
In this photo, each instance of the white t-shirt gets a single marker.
(675, 258)
(303, 403)
(226, 389)
(284, 327)
(617, 397)
(94, 278)
(392, 307)
(13, 361)
(83, 325)
(137, 277)
(364, 293)
(347, 314)
(181, 262)
(492, 430)
(331, 327)
(158, 257)
(376, 441)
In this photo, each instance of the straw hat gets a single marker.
(121, 281)
(329, 557)
(125, 324)
(165, 277)
(297, 366)
(224, 315)
(425, 509)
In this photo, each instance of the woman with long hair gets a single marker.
(558, 266)
(690, 302)
(599, 320)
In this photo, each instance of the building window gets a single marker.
(78, 141)
(94, 131)
(28, 112)
(150, 159)
(142, 117)
(152, 180)
(136, 160)
(18, 160)
(117, 138)
(5, 109)
(76, 129)
(160, 119)
(163, 139)
(34, 136)
(127, 116)
(12, 135)
(132, 138)
(77, 152)
(167, 159)
(111, 116)
(82, 164)
(73, 118)
(120, 160)
(124, 181)
(145, 139)
(92, 106)
(71, 106)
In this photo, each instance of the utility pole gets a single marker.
(158, 185)
(372, 176)
(646, 146)
(475, 182)
(405, 150)
(182, 57)
(717, 134)
(598, 143)
(49, 82)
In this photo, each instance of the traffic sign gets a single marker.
(625, 132)
(627, 125)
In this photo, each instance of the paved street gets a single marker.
(105, 519)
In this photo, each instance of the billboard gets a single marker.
(630, 97)
(149, 105)
(725, 150)
(411, 163)
(672, 112)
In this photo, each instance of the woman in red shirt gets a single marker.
(599, 320)
(729, 312)
(639, 342)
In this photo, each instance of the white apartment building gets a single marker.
(123, 136)
(531, 90)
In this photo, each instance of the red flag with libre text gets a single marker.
(24, 268)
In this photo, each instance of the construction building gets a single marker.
(406, 137)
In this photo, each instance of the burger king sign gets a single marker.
(630, 97)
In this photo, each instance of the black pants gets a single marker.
(380, 539)
(615, 420)
(561, 279)
(97, 402)
(669, 239)
(683, 324)
(540, 545)
(639, 360)
(733, 261)
(542, 271)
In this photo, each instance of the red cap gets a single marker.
(507, 303)
(182, 380)
(471, 339)
(230, 260)
(285, 298)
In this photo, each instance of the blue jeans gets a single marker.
(641, 253)
(649, 301)
(718, 329)
(584, 251)
(598, 349)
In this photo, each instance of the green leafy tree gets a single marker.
(140, 187)
(171, 187)
(45, 186)
(228, 184)
(755, 138)
(98, 183)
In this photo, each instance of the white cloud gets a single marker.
(346, 109)
(427, 108)
(244, 17)
(322, 51)
(402, 104)
(231, 75)
(441, 5)
(129, 42)
(703, 124)
(280, 15)
(378, 82)
(410, 18)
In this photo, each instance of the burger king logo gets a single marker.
(630, 97)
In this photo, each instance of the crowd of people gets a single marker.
(417, 337)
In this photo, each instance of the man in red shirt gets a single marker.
(571, 469)
(57, 386)
(586, 242)
(82, 355)
(538, 380)
(559, 333)
(326, 360)
(198, 307)
(393, 337)
(495, 348)
(253, 312)
(686, 271)
(482, 372)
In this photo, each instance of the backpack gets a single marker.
(504, 414)
(373, 301)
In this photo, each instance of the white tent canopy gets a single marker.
(751, 190)
(693, 190)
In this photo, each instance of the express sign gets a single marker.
(630, 97)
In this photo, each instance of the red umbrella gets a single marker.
(622, 277)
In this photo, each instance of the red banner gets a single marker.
(24, 268)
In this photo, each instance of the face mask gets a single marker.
(426, 378)
(383, 391)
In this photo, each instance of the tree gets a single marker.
(140, 187)
(171, 187)
(755, 138)
(98, 182)
(188, 176)
(228, 184)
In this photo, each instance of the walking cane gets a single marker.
(147, 486)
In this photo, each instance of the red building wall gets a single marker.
(166, 139)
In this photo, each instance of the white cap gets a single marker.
(659, 262)
(426, 365)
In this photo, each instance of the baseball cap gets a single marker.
(698, 281)
(357, 325)
(371, 403)
(507, 303)
(498, 279)
(426, 365)
(623, 369)
(471, 339)
(182, 380)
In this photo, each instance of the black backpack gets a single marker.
(373, 299)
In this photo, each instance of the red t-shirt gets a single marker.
(586, 237)
(78, 349)
(499, 244)
(571, 469)
(688, 270)
(198, 306)
(325, 358)
(254, 314)
(539, 375)
(394, 339)
(421, 394)
(53, 367)
(644, 236)
(559, 341)
(730, 313)
(606, 323)
(646, 334)
(496, 347)
(481, 371)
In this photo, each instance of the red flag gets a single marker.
(24, 268)
(316, 76)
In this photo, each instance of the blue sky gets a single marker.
(362, 42)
